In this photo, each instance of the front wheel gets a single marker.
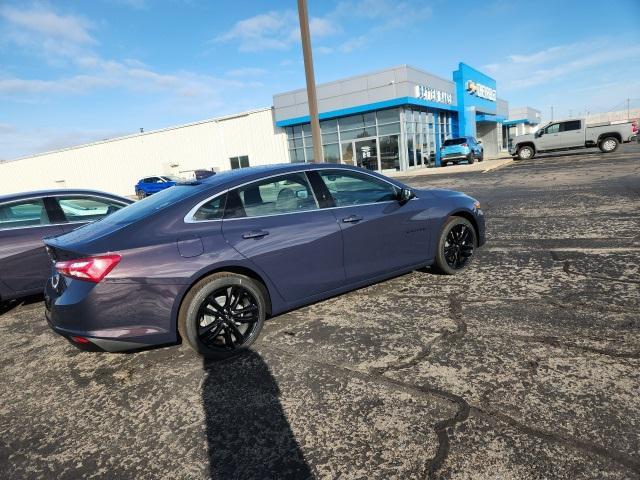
(525, 153)
(608, 145)
(222, 315)
(456, 246)
(141, 194)
(470, 158)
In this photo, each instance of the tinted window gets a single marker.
(351, 188)
(555, 128)
(572, 125)
(87, 209)
(212, 210)
(273, 196)
(454, 141)
(27, 213)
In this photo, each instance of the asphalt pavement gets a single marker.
(524, 367)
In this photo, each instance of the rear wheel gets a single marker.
(141, 194)
(525, 153)
(481, 159)
(608, 144)
(456, 245)
(222, 315)
(471, 158)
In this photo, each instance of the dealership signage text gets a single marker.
(482, 91)
(429, 93)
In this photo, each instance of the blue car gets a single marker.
(149, 185)
(207, 262)
(461, 148)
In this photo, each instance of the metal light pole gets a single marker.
(311, 81)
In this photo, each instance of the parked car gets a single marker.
(199, 174)
(150, 185)
(461, 148)
(572, 134)
(207, 262)
(26, 218)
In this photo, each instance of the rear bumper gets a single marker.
(111, 317)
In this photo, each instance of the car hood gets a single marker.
(442, 193)
(521, 138)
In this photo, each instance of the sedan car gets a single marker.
(149, 185)
(207, 262)
(26, 218)
(462, 148)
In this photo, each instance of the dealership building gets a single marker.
(390, 120)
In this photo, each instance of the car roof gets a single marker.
(58, 192)
(231, 178)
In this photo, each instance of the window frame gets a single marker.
(29, 200)
(61, 217)
(313, 176)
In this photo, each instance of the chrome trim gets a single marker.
(188, 218)
(42, 197)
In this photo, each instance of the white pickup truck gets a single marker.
(571, 134)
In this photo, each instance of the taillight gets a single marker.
(634, 127)
(92, 269)
(464, 145)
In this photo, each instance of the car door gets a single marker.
(571, 134)
(24, 264)
(77, 210)
(549, 139)
(380, 235)
(277, 225)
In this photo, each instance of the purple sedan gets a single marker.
(208, 261)
(26, 218)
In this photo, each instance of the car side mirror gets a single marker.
(404, 195)
(479, 142)
(539, 133)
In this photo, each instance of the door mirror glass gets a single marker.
(404, 195)
(539, 133)
(479, 142)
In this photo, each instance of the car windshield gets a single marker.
(454, 141)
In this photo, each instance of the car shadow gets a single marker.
(8, 305)
(248, 435)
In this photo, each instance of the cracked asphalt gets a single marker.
(524, 367)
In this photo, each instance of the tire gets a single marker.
(608, 144)
(451, 257)
(471, 159)
(481, 159)
(223, 334)
(141, 194)
(526, 153)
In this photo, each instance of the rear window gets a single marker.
(454, 141)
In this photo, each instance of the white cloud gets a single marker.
(275, 30)
(353, 44)
(520, 71)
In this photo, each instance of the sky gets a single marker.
(72, 72)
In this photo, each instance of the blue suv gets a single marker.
(149, 185)
(461, 148)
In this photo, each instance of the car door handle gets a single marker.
(351, 219)
(255, 234)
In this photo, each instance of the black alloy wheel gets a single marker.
(456, 245)
(223, 314)
(227, 318)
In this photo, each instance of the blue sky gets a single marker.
(73, 72)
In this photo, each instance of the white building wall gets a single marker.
(116, 165)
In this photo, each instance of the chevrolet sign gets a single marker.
(481, 91)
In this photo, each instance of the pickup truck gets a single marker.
(571, 134)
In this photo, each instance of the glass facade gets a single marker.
(390, 139)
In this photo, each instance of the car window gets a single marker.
(572, 125)
(454, 141)
(212, 210)
(273, 196)
(555, 128)
(87, 209)
(28, 213)
(352, 188)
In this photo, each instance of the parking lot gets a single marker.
(524, 367)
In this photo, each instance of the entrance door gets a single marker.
(367, 154)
